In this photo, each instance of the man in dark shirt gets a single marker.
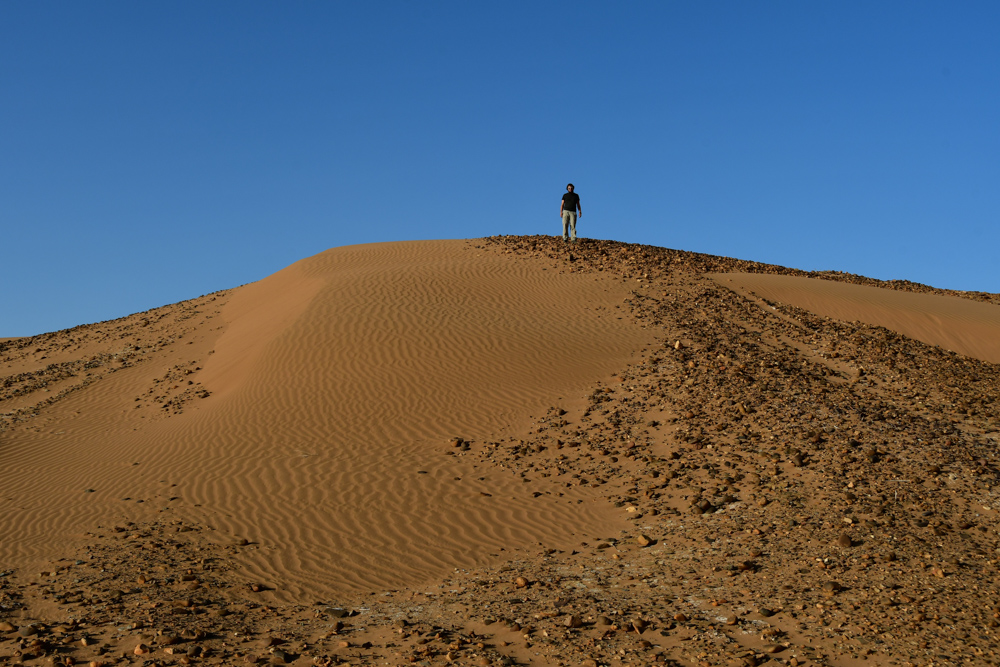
(568, 211)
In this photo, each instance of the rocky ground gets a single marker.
(800, 491)
(67, 361)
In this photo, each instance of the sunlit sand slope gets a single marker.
(336, 386)
(960, 325)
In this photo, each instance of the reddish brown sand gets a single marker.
(961, 325)
(333, 385)
(507, 451)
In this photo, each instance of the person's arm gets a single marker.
(562, 204)
(579, 209)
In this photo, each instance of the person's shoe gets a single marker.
(565, 239)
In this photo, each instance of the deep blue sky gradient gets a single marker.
(152, 152)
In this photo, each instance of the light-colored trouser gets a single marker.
(569, 220)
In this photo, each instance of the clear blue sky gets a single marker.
(155, 151)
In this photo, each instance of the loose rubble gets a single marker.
(799, 491)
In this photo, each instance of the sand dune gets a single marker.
(764, 484)
(960, 325)
(336, 385)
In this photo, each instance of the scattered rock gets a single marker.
(770, 419)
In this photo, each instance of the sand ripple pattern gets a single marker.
(336, 385)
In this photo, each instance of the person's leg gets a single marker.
(572, 226)
(565, 221)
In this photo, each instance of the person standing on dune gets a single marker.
(568, 211)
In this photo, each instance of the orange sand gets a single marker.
(966, 327)
(336, 385)
(311, 414)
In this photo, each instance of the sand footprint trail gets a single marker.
(336, 384)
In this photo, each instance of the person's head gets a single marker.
(569, 187)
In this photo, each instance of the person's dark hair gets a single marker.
(570, 185)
